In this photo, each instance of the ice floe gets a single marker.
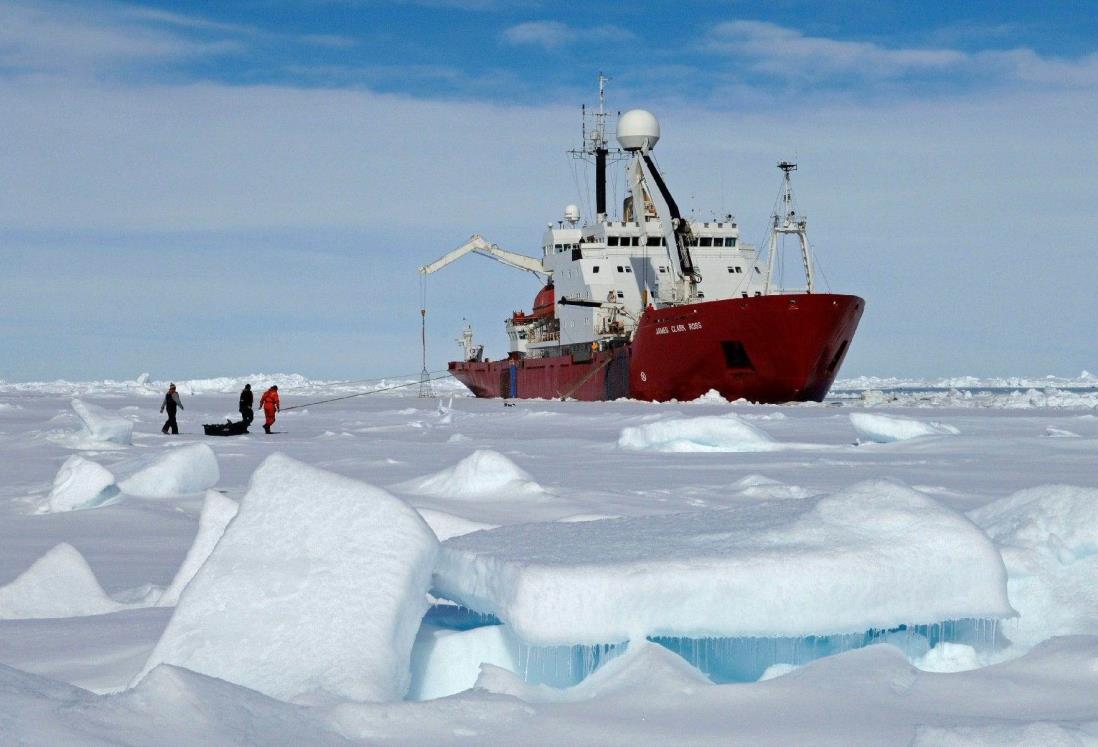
(217, 511)
(316, 590)
(484, 474)
(447, 661)
(79, 484)
(888, 428)
(100, 424)
(59, 584)
(876, 555)
(181, 470)
(1048, 537)
(706, 433)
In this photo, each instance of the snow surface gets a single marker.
(1028, 685)
(217, 512)
(80, 483)
(315, 590)
(59, 584)
(835, 564)
(191, 468)
(706, 433)
(888, 428)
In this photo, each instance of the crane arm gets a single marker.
(478, 245)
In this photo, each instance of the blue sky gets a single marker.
(210, 187)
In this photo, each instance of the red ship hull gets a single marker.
(781, 348)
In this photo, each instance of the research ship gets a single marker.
(653, 305)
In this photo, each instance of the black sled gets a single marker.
(228, 428)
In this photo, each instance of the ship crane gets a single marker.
(478, 245)
(638, 133)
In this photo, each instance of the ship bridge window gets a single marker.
(705, 241)
(735, 356)
(718, 241)
(611, 240)
(636, 241)
(655, 241)
(730, 241)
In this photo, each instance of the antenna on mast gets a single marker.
(788, 222)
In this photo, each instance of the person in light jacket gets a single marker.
(170, 403)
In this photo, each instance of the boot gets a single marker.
(266, 429)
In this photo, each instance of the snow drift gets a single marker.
(482, 474)
(217, 512)
(59, 584)
(707, 433)
(315, 590)
(101, 424)
(888, 428)
(79, 484)
(181, 470)
(876, 555)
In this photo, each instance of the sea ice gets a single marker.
(59, 584)
(181, 470)
(217, 512)
(1048, 537)
(447, 661)
(79, 484)
(101, 424)
(446, 525)
(706, 433)
(484, 474)
(874, 556)
(887, 428)
(315, 590)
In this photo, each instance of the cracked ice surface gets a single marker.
(876, 555)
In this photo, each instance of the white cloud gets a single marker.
(776, 49)
(554, 34)
(49, 38)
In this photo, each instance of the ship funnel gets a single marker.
(638, 130)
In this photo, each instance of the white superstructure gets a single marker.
(601, 276)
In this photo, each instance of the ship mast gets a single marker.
(786, 221)
(597, 145)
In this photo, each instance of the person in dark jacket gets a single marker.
(270, 404)
(171, 401)
(246, 413)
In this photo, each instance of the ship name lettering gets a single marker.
(661, 330)
(694, 325)
(679, 328)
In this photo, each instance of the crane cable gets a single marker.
(363, 394)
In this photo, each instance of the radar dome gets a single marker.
(638, 129)
(572, 213)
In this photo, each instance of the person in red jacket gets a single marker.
(270, 405)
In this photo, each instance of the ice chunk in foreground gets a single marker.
(876, 555)
(482, 474)
(888, 428)
(316, 589)
(708, 433)
(59, 584)
(101, 424)
(1048, 537)
(80, 483)
(217, 512)
(181, 470)
(445, 661)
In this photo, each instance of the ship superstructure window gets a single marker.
(655, 241)
(611, 240)
(705, 241)
(718, 241)
(595, 268)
